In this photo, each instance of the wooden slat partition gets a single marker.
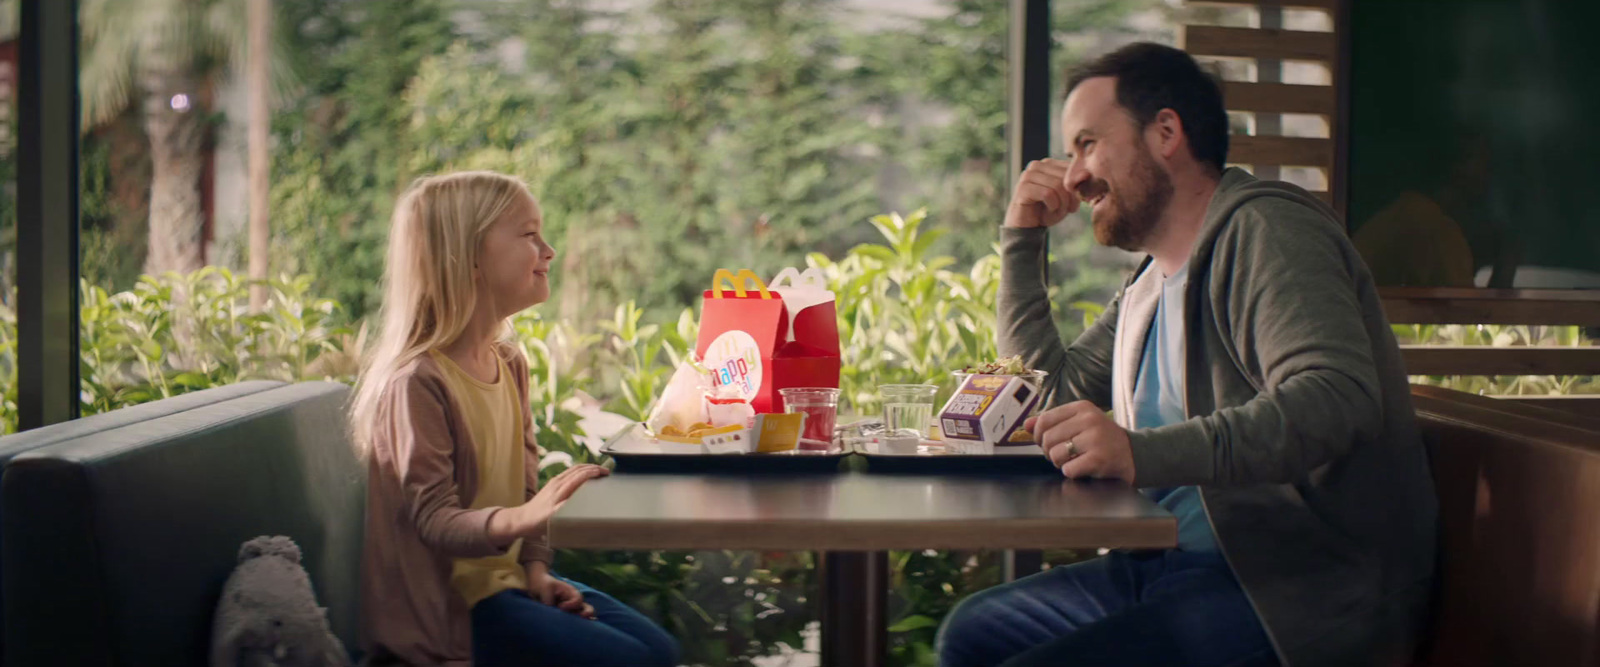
(1450, 305)
(1210, 40)
(1326, 5)
(1270, 45)
(1282, 151)
(1280, 97)
(1476, 360)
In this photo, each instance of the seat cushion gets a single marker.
(117, 543)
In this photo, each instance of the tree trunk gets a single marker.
(260, 29)
(172, 121)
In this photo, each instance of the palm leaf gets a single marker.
(122, 37)
(107, 54)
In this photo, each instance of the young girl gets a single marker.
(456, 569)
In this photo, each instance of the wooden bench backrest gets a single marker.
(1519, 504)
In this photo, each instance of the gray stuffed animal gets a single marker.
(268, 615)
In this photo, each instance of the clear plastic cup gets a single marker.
(907, 408)
(821, 407)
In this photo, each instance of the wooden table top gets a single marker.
(858, 512)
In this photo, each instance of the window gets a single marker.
(1083, 29)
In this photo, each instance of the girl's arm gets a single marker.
(416, 427)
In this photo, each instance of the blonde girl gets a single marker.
(456, 569)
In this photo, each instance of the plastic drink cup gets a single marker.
(907, 408)
(821, 407)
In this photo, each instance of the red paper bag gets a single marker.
(745, 341)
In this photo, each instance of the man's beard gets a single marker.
(1136, 207)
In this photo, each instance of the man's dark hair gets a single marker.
(1151, 77)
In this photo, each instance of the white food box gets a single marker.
(984, 411)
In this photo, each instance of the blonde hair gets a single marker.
(428, 289)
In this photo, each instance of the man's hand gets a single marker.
(544, 587)
(1081, 440)
(1041, 198)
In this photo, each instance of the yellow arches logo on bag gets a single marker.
(739, 281)
(752, 338)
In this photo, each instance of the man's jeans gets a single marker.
(1128, 608)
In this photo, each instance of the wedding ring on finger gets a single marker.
(1072, 450)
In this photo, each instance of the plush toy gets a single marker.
(268, 615)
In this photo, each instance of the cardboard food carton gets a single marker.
(984, 411)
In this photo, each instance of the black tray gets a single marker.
(1006, 459)
(634, 451)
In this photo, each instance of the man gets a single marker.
(1258, 395)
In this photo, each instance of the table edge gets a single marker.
(866, 535)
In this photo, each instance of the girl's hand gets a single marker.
(528, 519)
(557, 593)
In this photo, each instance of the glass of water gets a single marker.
(907, 408)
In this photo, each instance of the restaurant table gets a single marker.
(852, 518)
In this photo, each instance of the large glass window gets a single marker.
(664, 138)
(1088, 273)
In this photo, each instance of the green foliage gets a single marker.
(904, 317)
(175, 334)
(342, 150)
(705, 134)
(8, 197)
(961, 68)
(8, 363)
(112, 235)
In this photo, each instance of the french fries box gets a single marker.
(984, 411)
(770, 433)
(729, 440)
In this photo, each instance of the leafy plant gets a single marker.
(177, 333)
(8, 365)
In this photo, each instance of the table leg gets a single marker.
(855, 590)
(1020, 563)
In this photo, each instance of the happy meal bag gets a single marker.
(752, 340)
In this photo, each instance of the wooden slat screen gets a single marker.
(1477, 360)
(1328, 5)
(1281, 97)
(1267, 152)
(1207, 40)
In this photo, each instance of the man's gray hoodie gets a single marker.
(1300, 433)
